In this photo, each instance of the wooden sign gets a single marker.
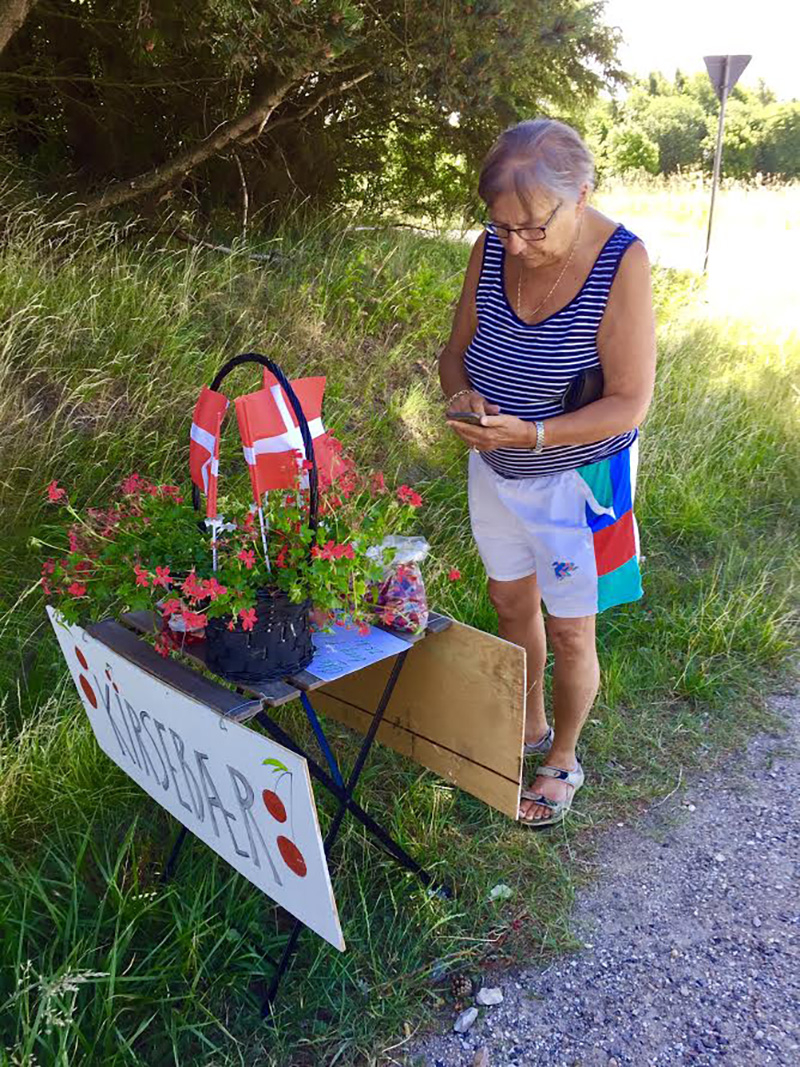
(246, 797)
(458, 709)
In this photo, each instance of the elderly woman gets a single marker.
(554, 290)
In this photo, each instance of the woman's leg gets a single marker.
(576, 679)
(519, 613)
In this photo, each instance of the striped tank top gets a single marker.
(525, 369)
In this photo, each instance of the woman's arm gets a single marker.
(627, 348)
(626, 343)
(452, 374)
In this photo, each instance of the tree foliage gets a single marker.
(680, 119)
(136, 100)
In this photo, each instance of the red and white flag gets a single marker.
(273, 445)
(204, 445)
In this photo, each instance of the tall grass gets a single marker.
(107, 337)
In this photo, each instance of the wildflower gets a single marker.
(170, 491)
(77, 589)
(162, 577)
(409, 496)
(132, 484)
(141, 576)
(74, 541)
(248, 617)
(454, 574)
(248, 557)
(378, 483)
(55, 494)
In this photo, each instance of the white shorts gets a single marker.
(574, 530)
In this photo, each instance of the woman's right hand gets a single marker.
(473, 401)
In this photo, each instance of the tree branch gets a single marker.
(12, 14)
(123, 192)
(285, 120)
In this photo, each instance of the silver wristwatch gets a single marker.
(539, 437)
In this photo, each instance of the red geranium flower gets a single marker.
(162, 577)
(169, 607)
(77, 589)
(162, 645)
(193, 589)
(213, 589)
(248, 557)
(55, 494)
(248, 617)
(193, 620)
(141, 576)
(363, 629)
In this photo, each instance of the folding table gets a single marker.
(123, 639)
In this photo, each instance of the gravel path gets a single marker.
(692, 937)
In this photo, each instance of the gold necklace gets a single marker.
(536, 311)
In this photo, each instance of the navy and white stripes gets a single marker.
(525, 369)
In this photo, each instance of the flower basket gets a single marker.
(313, 542)
(278, 645)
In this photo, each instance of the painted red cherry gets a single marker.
(274, 805)
(88, 690)
(292, 856)
(82, 659)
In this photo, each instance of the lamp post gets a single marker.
(724, 72)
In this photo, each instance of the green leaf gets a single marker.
(276, 763)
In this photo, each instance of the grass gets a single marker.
(107, 339)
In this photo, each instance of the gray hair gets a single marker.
(536, 154)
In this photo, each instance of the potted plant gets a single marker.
(148, 548)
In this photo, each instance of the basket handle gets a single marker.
(305, 433)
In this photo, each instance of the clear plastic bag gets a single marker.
(401, 601)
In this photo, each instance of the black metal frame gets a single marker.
(343, 792)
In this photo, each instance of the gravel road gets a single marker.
(692, 937)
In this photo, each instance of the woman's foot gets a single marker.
(540, 742)
(557, 789)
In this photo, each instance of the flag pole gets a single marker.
(264, 537)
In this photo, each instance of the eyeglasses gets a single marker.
(526, 233)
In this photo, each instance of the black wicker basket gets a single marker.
(280, 642)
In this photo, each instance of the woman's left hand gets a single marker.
(496, 431)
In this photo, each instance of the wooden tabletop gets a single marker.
(273, 693)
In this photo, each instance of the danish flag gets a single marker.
(204, 445)
(273, 445)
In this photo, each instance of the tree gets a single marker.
(631, 149)
(779, 151)
(678, 127)
(12, 15)
(141, 101)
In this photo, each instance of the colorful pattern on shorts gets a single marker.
(609, 514)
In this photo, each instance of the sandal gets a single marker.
(542, 745)
(558, 808)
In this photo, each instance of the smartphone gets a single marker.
(472, 417)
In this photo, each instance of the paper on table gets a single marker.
(344, 651)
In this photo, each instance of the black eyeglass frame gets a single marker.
(494, 227)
